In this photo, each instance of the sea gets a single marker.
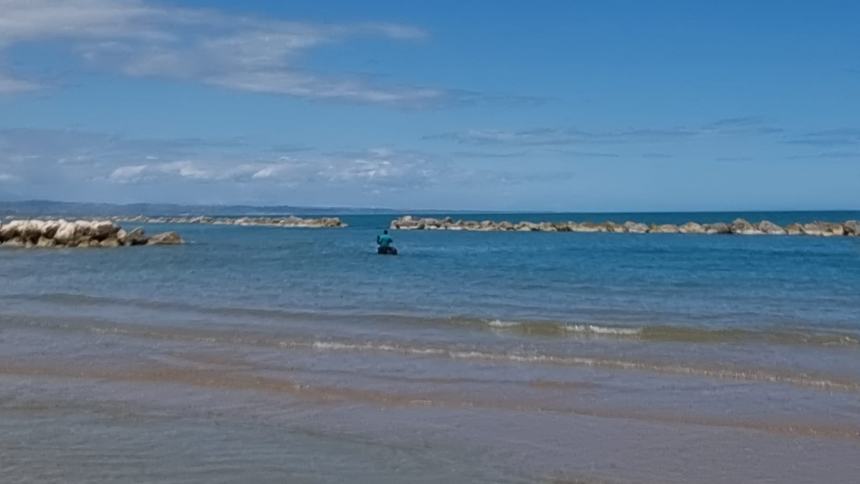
(266, 354)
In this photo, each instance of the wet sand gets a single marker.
(101, 401)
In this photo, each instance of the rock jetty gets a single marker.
(78, 233)
(737, 227)
(289, 222)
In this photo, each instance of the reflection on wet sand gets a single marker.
(221, 373)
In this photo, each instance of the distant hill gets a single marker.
(45, 207)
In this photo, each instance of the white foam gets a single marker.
(496, 323)
(605, 330)
(720, 373)
(335, 346)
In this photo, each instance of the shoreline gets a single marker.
(449, 409)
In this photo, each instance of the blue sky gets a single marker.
(545, 105)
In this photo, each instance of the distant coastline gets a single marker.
(42, 208)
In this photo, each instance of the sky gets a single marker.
(597, 105)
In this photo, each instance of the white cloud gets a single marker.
(37, 19)
(271, 171)
(748, 126)
(380, 167)
(45, 163)
(304, 85)
(86, 148)
(125, 174)
(138, 38)
(158, 171)
(9, 85)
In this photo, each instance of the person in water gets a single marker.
(384, 243)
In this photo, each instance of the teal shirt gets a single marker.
(384, 240)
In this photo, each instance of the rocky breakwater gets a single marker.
(738, 227)
(288, 222)
(79, 233)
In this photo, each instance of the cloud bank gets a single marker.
(141, 39)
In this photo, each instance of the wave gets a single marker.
(603, 330)
(452, 351)
(723, 373)
(786, 335)
(550, 327)
(683, 334)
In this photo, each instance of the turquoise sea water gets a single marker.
(527, 348)
(625, 280)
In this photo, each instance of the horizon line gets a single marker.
(334, 208)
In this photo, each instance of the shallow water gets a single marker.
(293, 354)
